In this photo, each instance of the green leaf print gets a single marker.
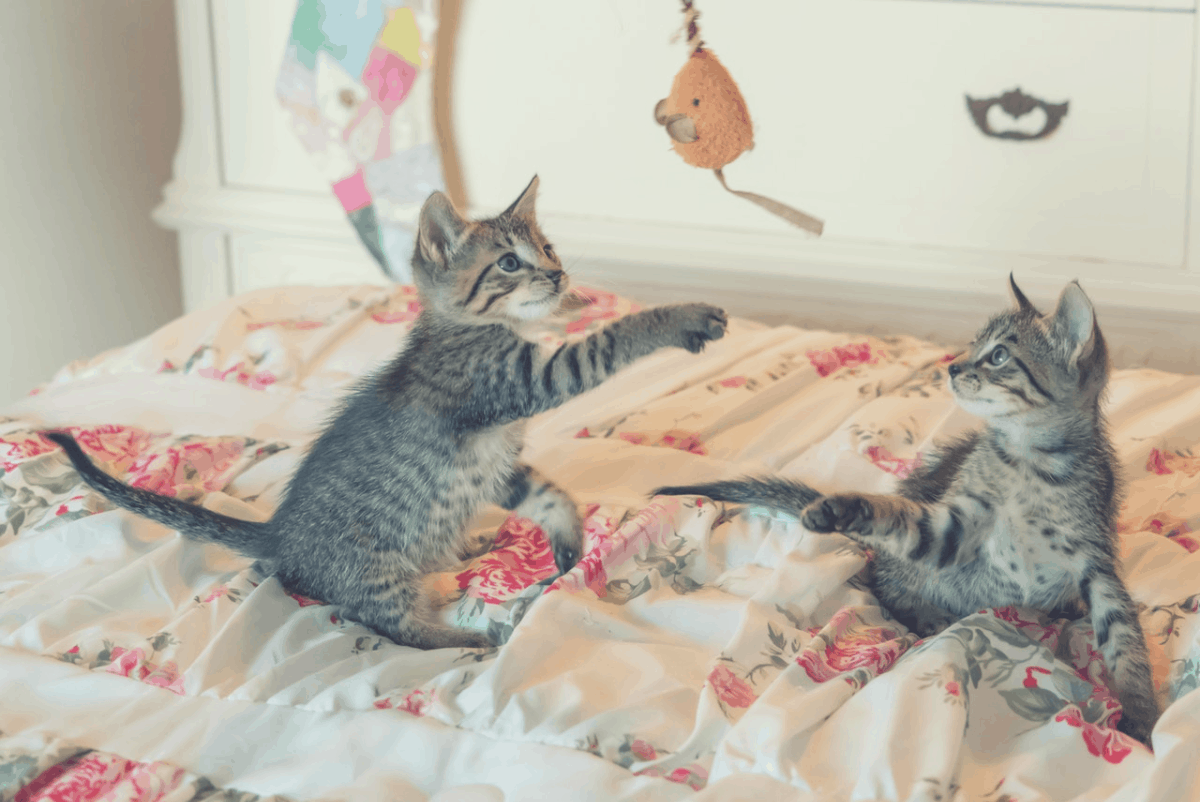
(1035, 704)
(16, 772)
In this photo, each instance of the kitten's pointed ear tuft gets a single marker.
(1019, 297)
(440, 228)
(523, 206)
(1074, 323)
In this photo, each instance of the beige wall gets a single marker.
(92, 119)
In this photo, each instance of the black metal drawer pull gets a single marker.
(1016, 104)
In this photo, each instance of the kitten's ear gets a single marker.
(439, 229)
(523, 206)
(1075, 323)
(1019, 297)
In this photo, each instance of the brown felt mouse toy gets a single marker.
(705, 115)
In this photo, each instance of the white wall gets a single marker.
(92, 120)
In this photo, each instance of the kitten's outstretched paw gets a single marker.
(565, 556)
(698, 324)
(566, 535)
(841, 513)
(1136, 727)
(476, 640)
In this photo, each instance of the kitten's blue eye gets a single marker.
(999, 355)
(509, 263)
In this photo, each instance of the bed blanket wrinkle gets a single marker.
(698, 650)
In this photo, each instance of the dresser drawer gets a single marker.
(861, 117)
(892, 151)
(1147, 5)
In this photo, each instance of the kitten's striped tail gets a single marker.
(785, 495)
(247, 537)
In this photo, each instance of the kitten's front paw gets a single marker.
(697, 324)
(841, 513)
(1136, 728)
(568, 548)
(477, 640)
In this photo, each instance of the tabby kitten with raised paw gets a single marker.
(386, 493)
(1021, 512)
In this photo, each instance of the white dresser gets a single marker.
(862, 117)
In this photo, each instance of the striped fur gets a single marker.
(1021, 512)
(386, 493)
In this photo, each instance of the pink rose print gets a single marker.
(94, 776)
(730, 688)
(1042, 633)
(1103, 742)
(887, 461)
(416, 703)
(1162, 523)
(113, 444)
(733, 381)
(401, 307)
(240, 374)
(1157, 462)
(216, 593)
(19, 447)
(127, 663)
(198, 467)
(116, 445)
(693, 776)
(286, 325)
(303, 601)
(133, 664)
(165, 676)
(520, 558)
(582, 433)
(673, 438)
(1188, 543)
(846, 643)
(953, 688)
(1030, 680)
(683, 441)
(597, 544)
(1165, 462)
(603, 306)
(66, 506)
(1089, 667)
(643, 750)
(842, 356)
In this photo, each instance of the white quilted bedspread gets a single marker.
(696, 651)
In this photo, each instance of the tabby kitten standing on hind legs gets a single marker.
(386, 493)
(1021, 512)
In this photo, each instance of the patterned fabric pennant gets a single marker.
(357, 84)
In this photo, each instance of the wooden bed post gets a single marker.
(449, 15)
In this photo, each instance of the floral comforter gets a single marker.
(697, 651)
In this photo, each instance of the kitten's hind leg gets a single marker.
(1121, 641)
(533, 496)
(407, 614)
(919, 616)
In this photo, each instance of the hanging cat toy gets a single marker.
(706, 118)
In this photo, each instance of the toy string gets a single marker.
(793, 216)
(690, 15)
